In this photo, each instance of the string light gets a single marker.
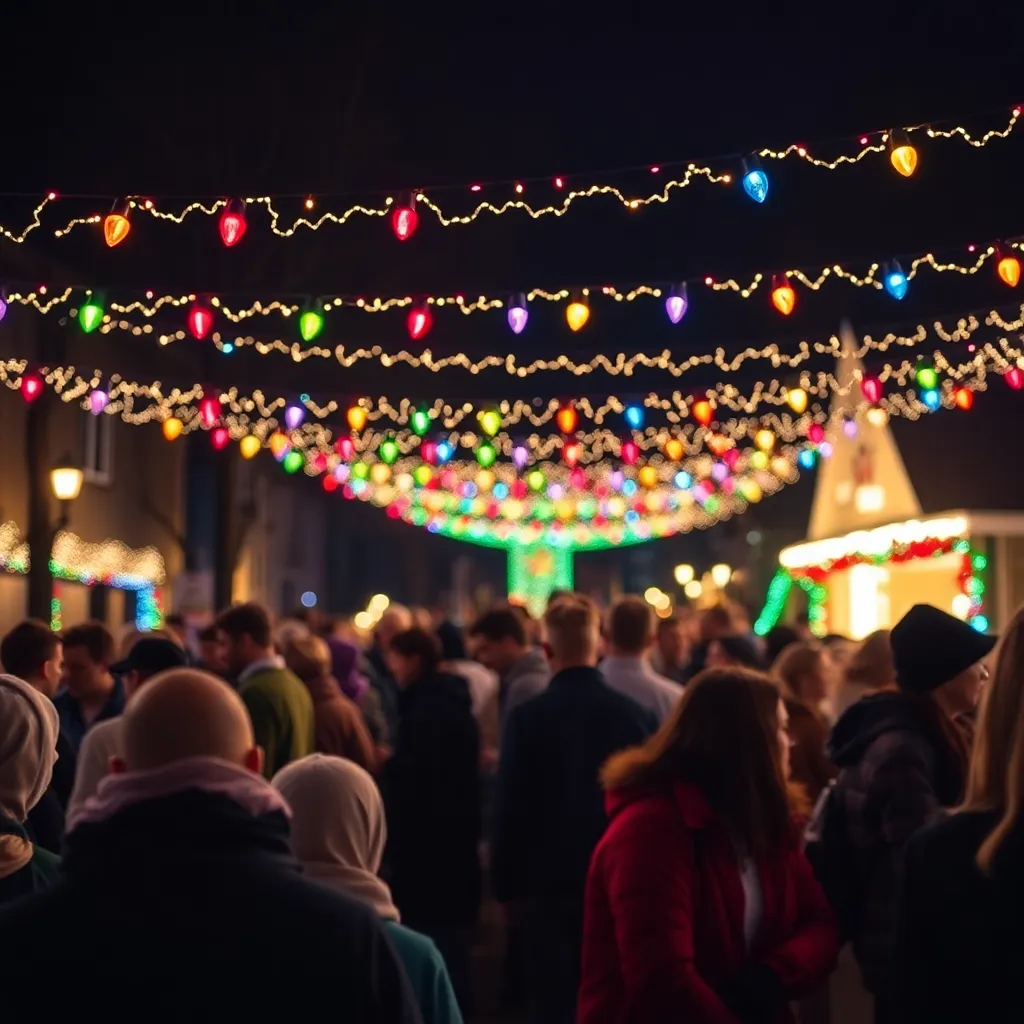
(311, 323)
(518, 314)
(232, 222)
(116, 224)
(902, 155)
(869, 144)
(755, 181)
(404, 219)
(783, 296)
(1008, 269)
(577, 313)
(90, 315)
(896, 280)
(676, 303)
(419, 321)
(200, 320)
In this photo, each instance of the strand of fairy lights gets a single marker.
(870, 144)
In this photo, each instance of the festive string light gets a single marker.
(783, 296)
(566, 419)
(518, 313)
(895, 280)
(172, 427)
(796, 399)
(676, 303)
(98, 401)
(232, 223)
(765, 440)
(293, 462)
(755, 181)
(200, 320)
(1008, 269)
(388, 452)
(311, 323)
(490, 421)
(963, 397)
(90, 315)
(404, 219)
(249, 446)
(418, 321)
(871, 389)
(293, 416)
(220, 438)
(116, 224)
(31, 387)
(1014, 376)
(925, 375)
(577, 313)
(902, 155)
(209, 411)
(420, 422)
(485, 454)
(703, 412)
(279, 446)
(634, 415)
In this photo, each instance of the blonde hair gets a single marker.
(871, 664)
(307, 656)
(996, 781)
(573, 628)
(794, 664)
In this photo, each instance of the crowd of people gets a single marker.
(680, 820)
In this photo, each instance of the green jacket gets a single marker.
(38, 874)
(281, 710)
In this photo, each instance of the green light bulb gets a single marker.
(485, 454)
(293, 462)
(535, 480)
(926, 377)
(420, 422)
(90, 316)
(490, 422)
(311, 323)
(360, 471)
(388, 451)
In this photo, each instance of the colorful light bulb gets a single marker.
(98, 401)
(783, 296)
(31, 387)
(490, 421)
(172, 428)
(279, 445)
(629, 452)
(755, 181)
(931, 399)
(964, 398)
(388, 451)
(815, 433)
(444, 452)
(577, 313)
(420, 422)
(674, 449)
(902, 155)
(807, 458)
(345, 448)
(418, 321)
(200, 320)
(566, 419)
(703, 412)
(209, 411)
(518, 314)
(871, 389)
(850, 426)
(3, 306)
(232, 223)
(765, 439)
(293, 462)
(520, 456)
(219, 438)
(356, 418)
(796, 399)
(1014, 376)
(485, 454)
(895, 280)
(90, 315)
(677, 302)
(404, 218)
(1008, 269)
(293, 416)
(925, 375)
(249, 446)
(571, 453)
(311, 323)
(116, 224)
(634, 416)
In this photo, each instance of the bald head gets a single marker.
(186, 713)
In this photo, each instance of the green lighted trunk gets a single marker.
(534, 571)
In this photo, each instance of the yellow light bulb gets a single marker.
(172, 428)
(648, 476)
(765, 440)
(783, 296)
(356, 417)
(577, 314)
(877, 416)
(902, 155)
(797, 400)
(249, 446)
(1009, 270)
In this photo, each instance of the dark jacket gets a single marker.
(549, 815)
(431, 787)
(382, 682)
(897, 774)
(663, 936)
(36, 875)
(959, 943)
(808, 763)
(201, 912)
(45, 824)
(72, 721)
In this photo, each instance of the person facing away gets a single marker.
(28, 749)
(396, 619)
(180, 870)
(89, 692)
(802, 672)
(338, 723)
(149, 656)
(33, 653)
(500, 643)
(549, 809)
(279, 705)
(338, 834)
(431, 787)
(700, 904)
(902, 763)
(959, 944)
(671, 651)
(630, 633)
(868, 669)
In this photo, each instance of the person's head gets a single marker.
(453, 647)
(870, 666)
(247, 635)
(728, 737)
(802, 669)
(396, 619)
(673, 642)
(212, 649)
(630, 628)
(777, 639)
(149, 656)
(184, 714)
(937, 654)
(499, 639)
(33, 652)
(337, 817)
(308, 657)
(573, 628)
(176, 625)
(28, 746)
(88, 655)
(733, 650)
(287, 630)
(996, 778)
(412, 655)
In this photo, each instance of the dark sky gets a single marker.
(212, 109)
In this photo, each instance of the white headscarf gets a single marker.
(28, 751)
(338, 827)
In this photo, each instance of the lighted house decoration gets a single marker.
(871, 552)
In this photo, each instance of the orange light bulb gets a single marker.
(674, 449)
(783, 296)
(964, 398)
(577, 314)
(116, 225)
(902, 155)
(356, 417)
(703, 412)
(566, 419)
(1008, 269)
(172, 428)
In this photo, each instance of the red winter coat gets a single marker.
(663, 925)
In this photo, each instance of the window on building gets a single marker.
(98, 450)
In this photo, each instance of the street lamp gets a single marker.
(66, 481)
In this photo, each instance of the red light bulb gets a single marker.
(209, 411)
(871, 389)
(200, 320)
(345, 448)
(404, 218)
(232, 223)
(419, 321)
(964, 398)
(816, 433)
(578, 479)
(1014, 376)
(571, 454)
(220, 438)
(31, 387)
(428, 452)
(630, 452)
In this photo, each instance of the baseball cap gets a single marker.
(151, 654)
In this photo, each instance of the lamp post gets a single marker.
(66, 483)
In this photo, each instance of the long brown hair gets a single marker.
(792, 667)
(722, 737)
(996, 781)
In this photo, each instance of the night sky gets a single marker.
(224, 109)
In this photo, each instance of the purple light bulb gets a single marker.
(293, 416)
(3, 307)
(676, 304)
(850, 428)
(719, 471)
(517, 317)
(98, 401)
(520, 456)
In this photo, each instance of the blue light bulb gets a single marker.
(444, 452)
(895, 280)
(634, 416)
(931, 399)
(806, 458)
(980, 623)
(755, 184)
(683, 480)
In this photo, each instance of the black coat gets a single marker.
(45, 823)
(960, 944)
(189, 908)
(431, 788)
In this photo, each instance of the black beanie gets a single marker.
(930, 647)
